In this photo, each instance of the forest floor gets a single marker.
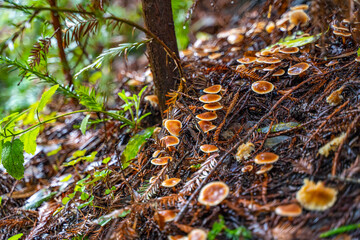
(298, 120)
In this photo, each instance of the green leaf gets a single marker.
(16, 237)
(103, 220)
(67, 178)
(53, 152)
(238, 232)
(65, 200)
(216, 228)
(29, 140)
(134, 145)
(86, 203)
(12, 158)
(84, 123)
(358, 52)
(339, 230)
(38, 198)
(46, 97)
(297, 42)
(58, 210)
(279, 127)
(106, 160)
(78, 153)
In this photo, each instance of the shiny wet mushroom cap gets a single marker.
(300, 7)
(207, 116)
(316, 197)
(178, 237)
(270, 27)
(161, 160)
(210, 98)
(342, 34)
(264, 169)
(210, 49)
(268, 60)
(156, 153)
(288, 210)
(213, 193)
(173, 127)
(206, 126)
(262, 87)
(299, 68)
(247, 168)
(168, 215)
(170, 141)
(266, 158)
(235, 38)
(171, 182)
(207, 148)
(270, 68)
(213, 89)
(153, 100)
(214, 56)
(212, 106)
(278, 73)
(289, 50)
(298, 17)
(247, 60)
(197, 234)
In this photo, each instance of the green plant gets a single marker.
(233, 234)
(339, 230)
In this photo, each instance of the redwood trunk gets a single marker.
(159, 20)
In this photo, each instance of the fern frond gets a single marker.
(89, 98)
(123, 48)
(39, 51)
(155, 185)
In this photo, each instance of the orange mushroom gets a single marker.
(289, 50)
(168, 215)
(206, 126)
(212, 106)
(207, 116)
(173, 127)
(278, 73)
(264, 169)
(288, 210)
(161, 160)
(213, 193)
(213, 89)
(266, 158)
(153, 100)
(207, 148)
(171, 182)
(210, 98)
(262, 87)
(247, 168)
(298, 17)
(298, 69)
(170, 141)
(247, 60)
(197, 234)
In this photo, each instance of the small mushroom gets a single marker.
(332, 63)
(178, 237)
(342, 34)
(288, 210)
(289, 50)
(213, 193)
(207, 116)
(247, 168)
(173, 127)
(212, 106)
(357, 59)
(278, 73)
(170, 141)
(171, 182)
(266, 158)
(214, 56)
(186, 52)
(270, 68)
(210, 49)
(262, 87)
(247, 60)
(298, 17)
(264, 169)
(213, 89)
(161, 160)
(335, 97)
(298, 69)
(153, 100)
(268, 60)
(316, 197)
(207, 148)
(197, 234)
(270, 27)
(206, 126)
(156, 153)
(168, 215)
(300, 7)
(210, 98)
(134, 83)
(235, 38)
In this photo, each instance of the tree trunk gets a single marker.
(159, 20)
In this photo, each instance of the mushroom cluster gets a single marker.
(266, 159)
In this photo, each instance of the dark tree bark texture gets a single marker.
(159, 20)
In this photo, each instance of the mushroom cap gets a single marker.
(206, 126)
(247, 168)
(340, 33)
(289, 210)
(134, 83)
(235, 38)
(289, 50)
(156, 153)
(246, 60)
(264, 168)
(300, 7)
(297, 17)
(269, 60)
(210, 98)
(152, 99)
(197, 234)
(270, 68)
(340, 28)
(186, 52)
(299, 68)
(161, 160)
(334, 62)
(173, 127)
(213, 89)
(262, 87)
(214, 56)
(279, 72)
(178, 237)
(357, 59)
(213, 193)
(170, 141)
(316, 197)
(266, 158)
(168, 215)
(207, 116)
(264, 53)
(270, 27)
(212, 106)
(171, 182)
(207, 148)
(210, 49)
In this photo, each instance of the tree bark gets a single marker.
(159, 20)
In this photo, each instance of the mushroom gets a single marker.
(153, 100)
(289, 50)
(266, 158)
(173, 127)
(269, 60)
(270, 68)
(156, 153)
(207, 148)
(316, 197)
(264, 169)
(332, 63)
(298, 69)
(278, 73)
(197, 234)
(342, 34)
(298, 17)
(288, 210)
(357, 59)
(206, 126)
(210, 49)
(214, 56)
(171, 182)
(134, 83)
(161, 160)
(270, 27)
(335, 97)
(178, 237)
(213, 193)
(262, 87)
(186, 53)
(168, 215)
(244, 150)
(207, 116)
(247, 60)
(235, 38)
(247, 168)
(210, 98)
(212, 106)
(213, 89)
(170, 141)
(300, 7)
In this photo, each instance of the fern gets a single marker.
(89, 98)
(123, 48)
(39, 51)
